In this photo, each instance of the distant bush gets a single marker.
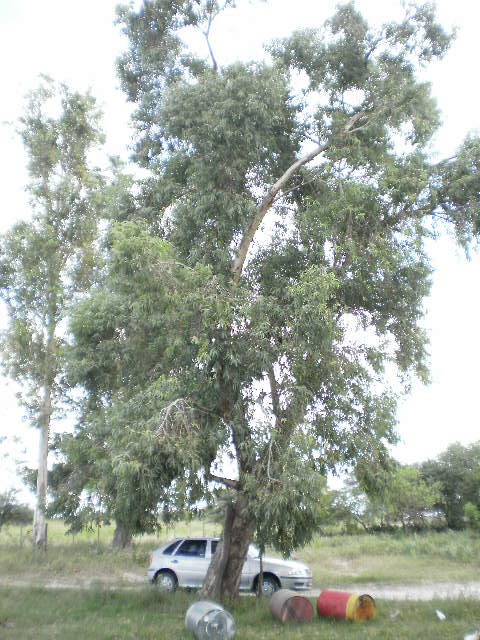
(472, 516)
(11, 511)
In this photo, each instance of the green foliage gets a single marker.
(136, 437)
(457, 472)
(472, 516)
(45, 262)
(204, 340)
(292, 505)
(458, 192)
(409, 499)
(11, 511)
(388, 497)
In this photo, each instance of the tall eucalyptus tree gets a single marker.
(293, 196)
(46, 260)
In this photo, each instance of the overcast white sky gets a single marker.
(75, 41)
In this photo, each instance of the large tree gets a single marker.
(46, 261)
(293, 196)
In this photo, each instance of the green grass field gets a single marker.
(335, 560)
(119, 605)
(39, 614)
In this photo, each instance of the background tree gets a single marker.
(408, 499)
(457, 471)
(123, 454)
(388, 497)
(45, 262)
(275, 349)
(351, 507)
(11, 511)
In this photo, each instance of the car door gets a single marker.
(190, 562)
(251, 568)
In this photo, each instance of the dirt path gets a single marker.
(130, 581)
(425, 591)
(127, 582)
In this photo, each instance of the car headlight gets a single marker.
(298, 573)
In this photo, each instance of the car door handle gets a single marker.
(174, 561)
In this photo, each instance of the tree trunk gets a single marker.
(39, 518)
(122, 537)
(222, 581)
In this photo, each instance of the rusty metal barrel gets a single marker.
(345, 606)
(209, 621)
(290, 608)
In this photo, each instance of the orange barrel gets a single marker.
(290, 608)
(345, 606)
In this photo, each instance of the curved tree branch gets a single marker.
(228, 482)
(269, 199)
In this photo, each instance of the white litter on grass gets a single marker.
(441, 616)
(394, 614)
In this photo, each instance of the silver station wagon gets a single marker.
(184, 563)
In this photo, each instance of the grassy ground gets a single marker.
(86, 555)
(394, 559)
(44, 615)
(335, 560)
(31, 611)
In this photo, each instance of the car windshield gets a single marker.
(253, 552)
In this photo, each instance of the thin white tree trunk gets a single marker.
(39, 519)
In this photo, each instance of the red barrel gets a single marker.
(345, 606)
(290, 608)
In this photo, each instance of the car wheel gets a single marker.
(270, 585)
(166, 582)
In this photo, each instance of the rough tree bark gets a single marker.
(222, 581)
(122, 537)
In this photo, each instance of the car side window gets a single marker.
(214, 544)
(170, 549)
(192, 548)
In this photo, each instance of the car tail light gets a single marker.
(151, 558)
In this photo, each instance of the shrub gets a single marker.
(472, 516)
